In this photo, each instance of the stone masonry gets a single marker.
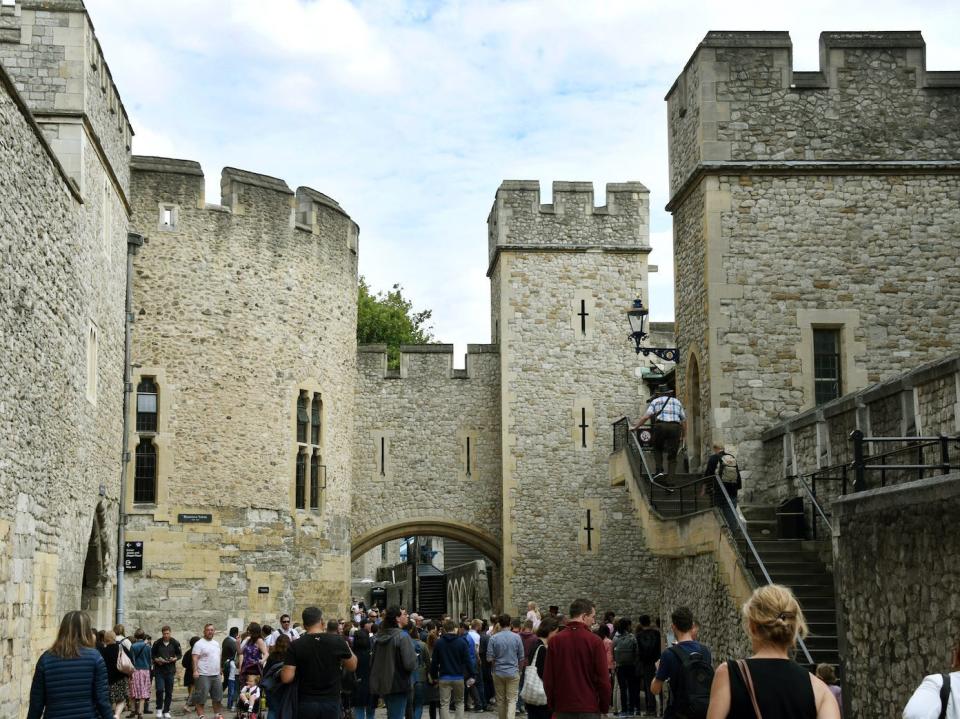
(899, 590)
(63, 242)
(239, 308)
(806, 200)
(562, 276)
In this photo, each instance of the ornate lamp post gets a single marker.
(637, 314)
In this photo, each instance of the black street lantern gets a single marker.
(637, 315)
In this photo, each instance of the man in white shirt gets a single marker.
(207, 673)
(285, 628)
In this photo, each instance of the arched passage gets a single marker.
(93, 588)
(477, 538)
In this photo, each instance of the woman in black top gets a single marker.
(117, 683)
(782, 689)
(537, 657)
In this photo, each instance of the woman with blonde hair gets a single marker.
(770, 684)
(71, 679)
(533, 614)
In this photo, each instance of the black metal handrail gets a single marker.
(623, 438)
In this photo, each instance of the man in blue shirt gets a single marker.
(505, 652)
(670, 667)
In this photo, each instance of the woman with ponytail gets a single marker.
(770, 684)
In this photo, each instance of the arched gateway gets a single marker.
(477, 538)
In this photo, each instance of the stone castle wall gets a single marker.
(410, 435)
(824, 199)
(564, 380)
(897, 590)
(923, 402)
(239, 307)
(63, 275)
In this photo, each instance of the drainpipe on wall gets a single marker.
(134, 243)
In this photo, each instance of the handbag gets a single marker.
(533, 692)
(748, 680)
(124, 664)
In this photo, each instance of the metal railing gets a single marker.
(673, 506)
(821, 486)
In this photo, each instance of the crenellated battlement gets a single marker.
(739, 99)
(50, 49)
(177, 189)
(429, 363)
(518, 220)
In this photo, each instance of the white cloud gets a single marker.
(410, 113)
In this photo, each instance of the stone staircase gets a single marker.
(798, 564)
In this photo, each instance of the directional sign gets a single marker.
(132, 556)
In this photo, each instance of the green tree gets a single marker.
(388, 318)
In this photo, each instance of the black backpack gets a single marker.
(690, 696)
(648, 645)
(625, 649)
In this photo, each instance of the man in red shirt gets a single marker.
(575, 675)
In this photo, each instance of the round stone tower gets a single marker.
(244, 370)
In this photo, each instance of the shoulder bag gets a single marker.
(748, 680)
(944, 695)
(124, 663)
(533, 692)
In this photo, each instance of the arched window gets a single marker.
(310, 479)
(145, 473)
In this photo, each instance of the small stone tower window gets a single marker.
(169, 215)
(301, 479)
(303, 419)
(92, 363)
(826, 365)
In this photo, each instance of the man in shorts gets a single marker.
(207, 673)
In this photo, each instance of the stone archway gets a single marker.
(477, 538)
(480, 539)
(94, 597)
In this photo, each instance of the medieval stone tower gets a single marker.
(245, 341)
(64, 198)
(561, 276)
(816, 225)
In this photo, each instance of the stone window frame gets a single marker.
(160, 438)
(162, 209)
(583, 412)
(836, 336)
(583, 329)
(848, 322)
(307, 469)
(93, 361)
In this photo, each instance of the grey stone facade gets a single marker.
(562, 276)
(898, 590)
(61, 384)
(810, 200)
(239, 308)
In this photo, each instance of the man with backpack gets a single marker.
(625, 655)
(688, 666)
(648, 652)
(723, 466)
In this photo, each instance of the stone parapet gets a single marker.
(518, 220)
(428, 361)
(870, 88)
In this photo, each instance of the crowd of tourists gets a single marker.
(545, 666)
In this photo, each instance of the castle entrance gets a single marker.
(394, 564)
(93, 589)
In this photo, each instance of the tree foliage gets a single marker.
(388, 318)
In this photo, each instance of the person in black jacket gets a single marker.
(117, 682)
(166, 652)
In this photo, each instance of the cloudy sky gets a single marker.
(411, 113)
